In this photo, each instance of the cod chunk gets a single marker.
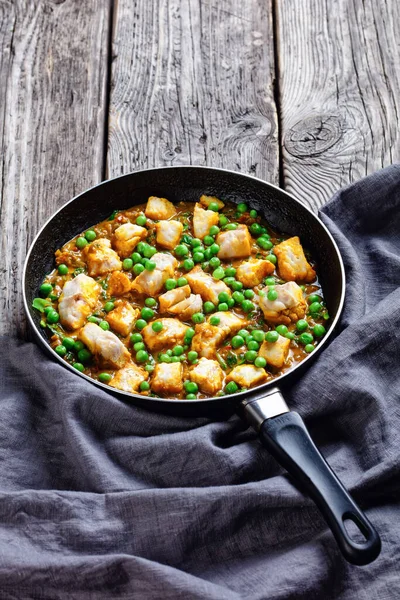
(292, 264)
(234, 243)
(206, 201)
(173, 297)
(129, 378)
(208, 375)
(167, 379)
(203, 220)
(122, 318)
(188, 307)
(168, 233)
(151, 282)
(275, 353)
(247, 375)
(253, 271)
(159, 208)
(172, 333)
(119, 284)
(101, 258)
(288, 307)
(105, 345)
(127, 237)
(208, 337)
(77, 300)
(204, 284)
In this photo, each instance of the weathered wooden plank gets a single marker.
(192, 83)
(339, 92)
(53, 73)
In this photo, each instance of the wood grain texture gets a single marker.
(53, 74)
(192, 83)
(339, 92)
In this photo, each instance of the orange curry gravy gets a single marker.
(207, 367)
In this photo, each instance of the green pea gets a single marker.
(243, 332)
(63, 269)
(214, 229)
(264, 243)
(142, 356)
(231, 226)
(170, 284)
(141, 246)
(108, 306)
(237, 285)
(231, 303)
(208, 307)
(223, 306)
(223, 296)
(281, 329)
(177, 350)
(260, 362)
(188, 264)
(191, 387)
(190, 333)
(90, 235)
(198, 257)
(149, 265)
(242, 207)
(306, 338)
(181, 250)
(68, 342)
(149, 368)
(271, 258)
(319, 330)
(192, 355)
(272, 336)
(140, 324)
(144, 386)
(237, 341)
(214, 262)
(138, 268)
(214, 249)
(270, 281)
(147, 313)
(61, 350)
(250, 355)
(136, 337)
(46, 288)
(301, 325)
(139, 346)
(84, 355)
(272, 295)
(315, 307)
(238, 297)
(104, 377)
(231, 387)
(93, 319)
(223, 220)
(78, 345)
(249, 294)
(136, 258)
(127, 264)
(253, 345)
(247, 306)
(182, 281)
(309, 348)
(191, 396)
(253, 214)
(215, 321)
(150, 302)
(48, 309)
(313, 298)
(195, 242)
(141, 220)
(208, 240)
(219, 273)
(255, 229)
(289, 335)
(104, 325)
(157, 326)
(149, 251)
(258, 335)
(81, 242)
(198, 318)
(229, 280)
(213, 206)
(164, 358)
(207, 254)
(53, 317)
(79, 367)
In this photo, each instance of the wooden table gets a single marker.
(302, 93)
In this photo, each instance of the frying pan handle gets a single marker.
(286, 437)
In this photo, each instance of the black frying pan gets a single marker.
(281, 431)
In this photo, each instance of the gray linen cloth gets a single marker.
(102, 500)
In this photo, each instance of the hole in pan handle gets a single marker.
(285, 435)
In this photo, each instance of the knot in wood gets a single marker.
(313, 136)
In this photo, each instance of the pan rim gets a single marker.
(175, 401)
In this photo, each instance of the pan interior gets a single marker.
(282, 211)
